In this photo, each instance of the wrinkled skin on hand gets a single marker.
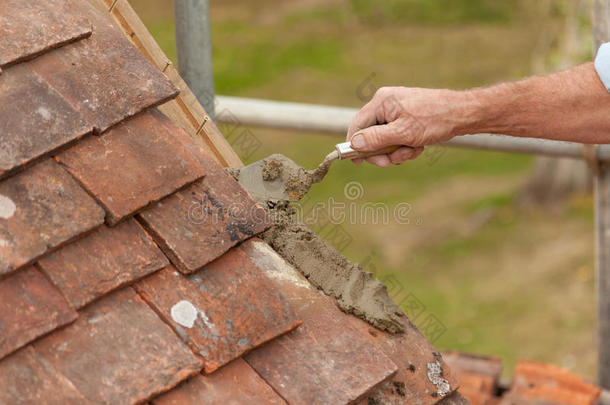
(412, 117)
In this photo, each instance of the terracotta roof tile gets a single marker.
(104, 260)
(538, 382)
(118, 351)
(27, 379)
(478, 375)
(479, 389)
(422, 373)
(480, 364)
(199, 223)
(222, 311)
(104, 76)
(236, 383)
(31, 130)
(30, 307)
(28, 28)
(326, 360)
(40, 209)
(455, 399)
(132, 165)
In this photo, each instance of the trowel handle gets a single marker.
(346, 152)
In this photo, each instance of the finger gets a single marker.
(379, 160)
(379, 136)
(405, 153)
(357, 162)
(364, 118)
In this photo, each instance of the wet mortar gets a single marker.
(296, 179)
(357, 292)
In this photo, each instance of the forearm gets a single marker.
(571, 106)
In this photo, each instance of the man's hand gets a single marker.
(572, 105)
(404, 116)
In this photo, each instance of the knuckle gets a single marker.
(381, 92)
(375, 138)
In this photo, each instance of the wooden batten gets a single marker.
(185, 110)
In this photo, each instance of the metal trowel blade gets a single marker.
(251, 178)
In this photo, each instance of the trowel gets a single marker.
(277, 178)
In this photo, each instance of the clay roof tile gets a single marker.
(30, 307)
(103, 261)
(118, 351)
(41, 209)
(29, 28)
(132, 165)
(104, 76)
(222, 311)
(233, 384)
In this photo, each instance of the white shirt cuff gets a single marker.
(602, 64)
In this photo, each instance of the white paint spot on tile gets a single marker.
(184, 313)
(7, 207)
(44, 113)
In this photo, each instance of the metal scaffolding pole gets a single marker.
(194, 47)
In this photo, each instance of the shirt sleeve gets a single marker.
(602, 64)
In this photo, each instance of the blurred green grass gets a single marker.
(433, 11)
(502, 279)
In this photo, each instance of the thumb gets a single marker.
(377, 137)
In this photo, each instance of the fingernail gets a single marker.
(358, 142)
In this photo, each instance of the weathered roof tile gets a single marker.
(544, 383)
(326, 360)
(104, 260)
(118, 351)
(30, 306)
(104, 76)
(222, 311)
(132, 165)
(27, 379)
(235, 383)
(423, 375)
(28, 28)
(30, 130)
(199, 223)
(478, 375)
(40, 209)
(456, 399)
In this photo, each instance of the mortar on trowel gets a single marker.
(277, 178)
